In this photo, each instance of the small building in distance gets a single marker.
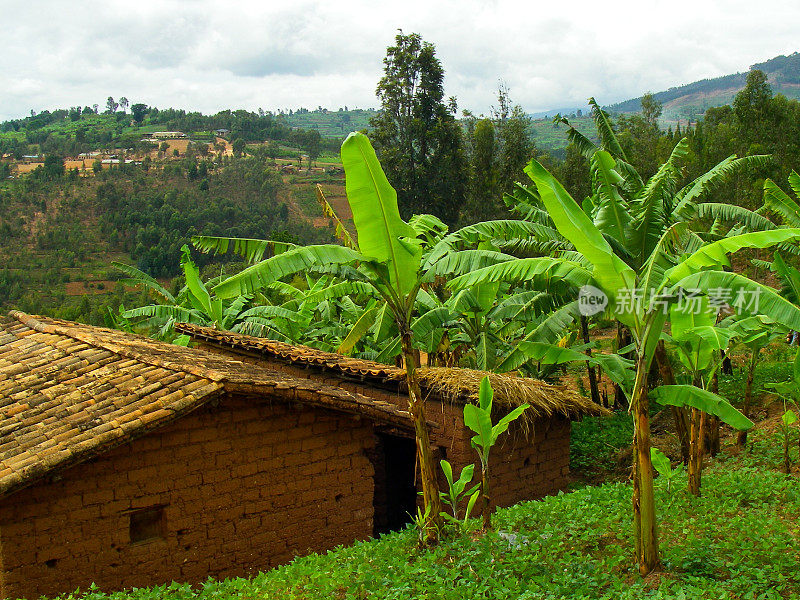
(167, 135)
(223, 133)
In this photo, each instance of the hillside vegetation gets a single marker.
(690, 101)
(330, 123)
(61, 235)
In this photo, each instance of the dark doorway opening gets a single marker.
(395, 497)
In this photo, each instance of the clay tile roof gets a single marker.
(300, 355)
(69, 392)
(453, 384)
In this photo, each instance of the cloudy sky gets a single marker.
(209, 55)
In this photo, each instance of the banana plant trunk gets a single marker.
(678, 412)
(644, 508)
(713, 422)
(741, 438)
(592, 375)
(712, 436)
(696, 456)
(623, 339)
(486, 511)
(416, 406)
(787, 464)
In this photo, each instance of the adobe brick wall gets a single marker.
(522, 467)
(246, 485)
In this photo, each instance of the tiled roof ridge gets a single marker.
(297, 353)
(87, 337)
(451, 383)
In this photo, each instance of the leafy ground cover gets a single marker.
(740, 540)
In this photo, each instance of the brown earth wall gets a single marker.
(524, 465)
(244, 486)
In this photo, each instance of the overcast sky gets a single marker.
(210, 55)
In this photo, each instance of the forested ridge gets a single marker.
(69, 131)
(691, 100)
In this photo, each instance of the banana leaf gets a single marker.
(708, 402)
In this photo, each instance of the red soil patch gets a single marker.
(82, 288)
(337, 198)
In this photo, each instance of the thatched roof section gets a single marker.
(510, 391)
(455, 385)
(69, 392)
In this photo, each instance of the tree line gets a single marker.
(460, 168)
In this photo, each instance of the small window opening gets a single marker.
(147, 524)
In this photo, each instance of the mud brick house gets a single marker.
(130, 462)
(126, 461)
(531, 462)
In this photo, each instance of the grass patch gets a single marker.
(732, 387)
(596, 441)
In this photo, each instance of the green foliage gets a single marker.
(479, 419)
(155, 218)
(662, 464)
(333, 124)
(689, 395)
(457, 492)
(732, 386)
(382, 235)
(421, 523)
(415, 131)
(595, 443)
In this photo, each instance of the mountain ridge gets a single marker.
(691, 100)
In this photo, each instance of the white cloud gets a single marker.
(205, 55)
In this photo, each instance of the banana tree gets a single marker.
(755, 334)
(483, 325)
(304, 317)
(701, 347)
(781, 203)
(389, 258)
(689, 203)
(640, 297)
(633, 215)
(788, 390)
(194, 303)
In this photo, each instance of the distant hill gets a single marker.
(690, 101)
